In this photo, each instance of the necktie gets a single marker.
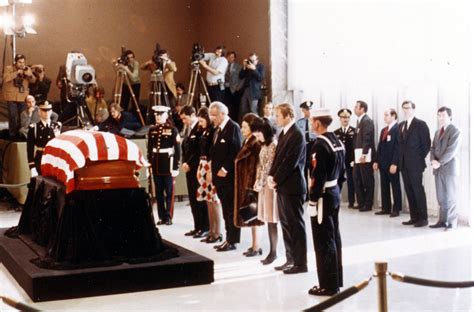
(385, 133)
(441, 132)
(216, 134)
(281, 135)
(405, 127)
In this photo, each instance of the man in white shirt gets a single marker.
(216, 66)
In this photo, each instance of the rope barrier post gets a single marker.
(381, 270)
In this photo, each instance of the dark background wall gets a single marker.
(98, 28)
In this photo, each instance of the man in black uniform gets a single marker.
(346, 135)
(164, 153)
(39, 134)
(190, 163)
(309, 136)
(327, 162)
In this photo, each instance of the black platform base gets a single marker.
(42, 285)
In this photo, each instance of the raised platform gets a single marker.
(43, 285)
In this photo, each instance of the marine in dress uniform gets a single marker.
(346, 135)
(39, 134)
(164, 154)
(309, 136)
(327, 162)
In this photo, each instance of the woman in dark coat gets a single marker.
(246, 164)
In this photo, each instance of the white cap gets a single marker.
(160, 109)
(320, 112)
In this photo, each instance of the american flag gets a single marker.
(70, 150)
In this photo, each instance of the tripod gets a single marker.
(195, 73)
(83, 117)
(120, 77)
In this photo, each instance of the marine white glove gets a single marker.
(34, 172)
(174, 173)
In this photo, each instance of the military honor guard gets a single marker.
(346, 135)
(327, 160)
(39, 134)
(309, 136)
(164, 154)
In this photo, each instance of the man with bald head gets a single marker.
(226, 145)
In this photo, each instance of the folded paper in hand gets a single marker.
(358, 154)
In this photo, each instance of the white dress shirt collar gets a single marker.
(224, 122)
(288, 126)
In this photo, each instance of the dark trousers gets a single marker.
(232, 101)
(364, 185)
(327, 242)
(198, 208)
(14, 112)
(226, 195)
(350, 184)
(386, 180)
(413, 181)
(216, 94)
(164, 190)
(126, 97)
(290, 209)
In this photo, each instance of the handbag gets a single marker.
(248, 209)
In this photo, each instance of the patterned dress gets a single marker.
(267, 204)
(206, 191)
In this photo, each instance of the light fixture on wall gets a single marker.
(14, 26)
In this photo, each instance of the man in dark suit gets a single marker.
(226, 145)
(386, 161)
(445, 163)
(252, 74)
(286, 176)
(364, 152)
(309, 136)
(190, 162)
(414, 147)
(346, 135)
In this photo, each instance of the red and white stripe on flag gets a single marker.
(70, 150)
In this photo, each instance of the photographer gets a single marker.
(40, 88)
(130, 65)
(252, 73)
(162, 62)
(30, 115)
(15, 89)
(216, 69)
(97, 105)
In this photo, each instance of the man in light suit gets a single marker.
(387, 162)
(444, 160)
(226, 145)
(286, 176)
(414, 147)
(364, 142)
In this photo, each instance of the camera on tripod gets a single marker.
(78, 72)
(197, 54)
(123, 58)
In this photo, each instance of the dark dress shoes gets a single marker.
(421, 223)
(169, 222)
(451, 226)
(220, 245)
(269, 259)
(254, 253)
(200, 234)
(351, 206)
(379, 213)
(283, 266)
(438, 225)
(211, 240)
(409, 222)
(191, 233)
(227, 247)
(247, 251)
(317, 291)
(394, 214)
(160, 222)
(364, 209)
(296, 269)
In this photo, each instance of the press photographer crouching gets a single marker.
(130, 65)
(16, 80)
(30, 115)
(40, 88)
(216, 69)
(118, 120)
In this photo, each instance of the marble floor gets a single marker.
(243, 284)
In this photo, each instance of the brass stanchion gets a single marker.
(381, 270)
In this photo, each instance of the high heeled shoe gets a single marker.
(269, 259)
(253, 253)
(216, 239)
(250, 249)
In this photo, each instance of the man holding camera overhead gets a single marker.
(252, 73)
(216, 69)
(15, 89)
(40, 88)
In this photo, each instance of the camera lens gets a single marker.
(87, 77)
